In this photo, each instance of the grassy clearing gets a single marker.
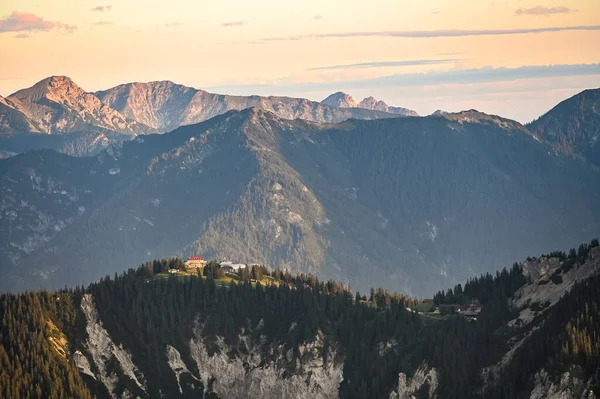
(423, 307)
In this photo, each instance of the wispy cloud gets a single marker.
(465, 76)
(21, 36)
(102, 8)
(318, 17)
(173, 24)
(65, 28)
(232, 24)
(380, 64)
(544, 11)
(24, 21)
(103, 23)
(435, 33)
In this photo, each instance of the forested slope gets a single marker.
(268, 334)
(410, 204)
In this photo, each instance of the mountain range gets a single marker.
(56, 113)
(411, 204)
(344, 100)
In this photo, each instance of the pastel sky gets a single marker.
(516, 58)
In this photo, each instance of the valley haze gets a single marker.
(361, 192)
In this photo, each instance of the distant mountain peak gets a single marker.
(59, 80)
(371, 103)
(573, 126)
(343, 100)
(53, 85)
(340, 99)
(377, 105)
(439, 112)
(475, 116)
(59, 105)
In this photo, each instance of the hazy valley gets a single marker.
(411, 204)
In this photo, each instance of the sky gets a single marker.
(515, 58)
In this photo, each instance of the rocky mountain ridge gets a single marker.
(59, 106)
(344, 100)
(340, 99)
(165, 105)
(35, 117)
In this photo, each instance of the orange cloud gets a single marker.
(24, 21)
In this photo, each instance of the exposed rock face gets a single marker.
(58, 105)
(344, 100)
(12, 120)
(543, 291)
(57, 114)
(177, 365)
(256, 375)
(549, 282)
(166, 105)
(375, 105)
(425, 378)
(567, 387)
(341, 100)
(161, 105)
(103, 351)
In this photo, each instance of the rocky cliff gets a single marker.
(263, 370)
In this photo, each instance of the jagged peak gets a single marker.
(377, 105)
(56, 82)
(340, 99)
(371, 102)
(51, 84)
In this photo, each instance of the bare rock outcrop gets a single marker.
(261, 373)
(424, 378)
(103, 350)
(568, 386)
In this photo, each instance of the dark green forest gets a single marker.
(144, 311)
